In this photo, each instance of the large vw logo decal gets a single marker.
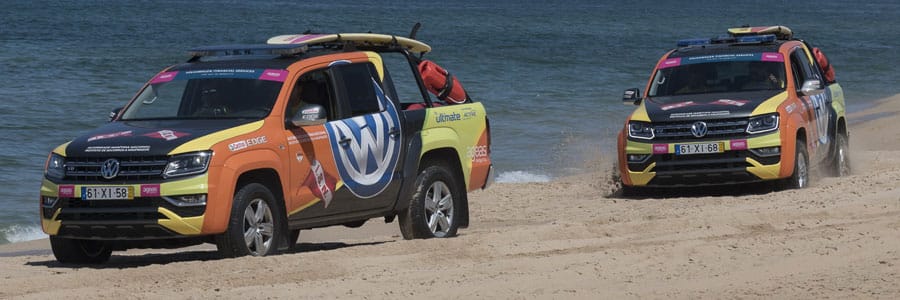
(366, 148)
(699, 129)
(110, 168)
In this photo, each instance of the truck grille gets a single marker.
(717, 129)
(133, 168)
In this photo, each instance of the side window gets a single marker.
(357, 89)
(402, 77)
(799, 68)
(312, 88)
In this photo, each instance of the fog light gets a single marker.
(186, 200)
(48, 201)
(767, 151)
(637, 157)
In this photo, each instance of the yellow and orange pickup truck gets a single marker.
(243, 146)
(753, 105)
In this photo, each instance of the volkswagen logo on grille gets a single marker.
(699, 129)
(110, 168)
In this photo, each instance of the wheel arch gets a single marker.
(449, 157)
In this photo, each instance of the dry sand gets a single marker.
(564, 239)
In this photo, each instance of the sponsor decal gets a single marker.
(150, 190)
(308, 137)
(671, 62)
(366, 148)
(273, 75)
(320, 183)
(244, 144)
(117, 149)
(700, 114)
(790, 108)
(660, 148)
(448, 117)
(739, 145)
(730, 102)
(66, 191)
(164, 77)
(469, 113)
(678, 105)
(167, 135)
(478, 154)
(109, 135)
(772, 56)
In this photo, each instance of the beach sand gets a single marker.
(839, 238)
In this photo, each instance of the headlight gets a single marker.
(56, 167)
(640, 130)
(187, 164)
(764, 123)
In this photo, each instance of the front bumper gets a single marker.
(147, 216)
(740, 162)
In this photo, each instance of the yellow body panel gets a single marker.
(206, 142)
(458, 127)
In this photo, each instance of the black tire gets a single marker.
(434, 207)
(74, 251)
(293, 238)
(800, 177)
(254, 213)
(839, 164)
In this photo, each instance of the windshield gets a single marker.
(208, 94)
(719, 73)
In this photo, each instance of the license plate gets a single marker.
(703, 148)
(107, 193)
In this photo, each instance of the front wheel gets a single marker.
(800, 178)
(433, 209)
(75, 251)
(253, 227)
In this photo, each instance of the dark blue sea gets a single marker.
(551, 73)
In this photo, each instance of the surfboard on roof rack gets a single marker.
(360, 39)
(781, 32)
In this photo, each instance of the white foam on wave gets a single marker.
(21, 233)
(521, 177)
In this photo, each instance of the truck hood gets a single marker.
(144, 138)
(705, 106)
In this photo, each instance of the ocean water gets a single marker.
(550, 73)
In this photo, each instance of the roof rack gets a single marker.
(248, 49)
(741, 40)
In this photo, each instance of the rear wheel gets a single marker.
(433, 209)
(74, 251)
(840, 163)
(253, 228)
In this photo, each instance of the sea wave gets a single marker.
(521, 177)
(20, 233)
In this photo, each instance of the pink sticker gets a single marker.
(739, 145)
(772, 56)
(672, 62)
(109, 135)
(67, 191)
(304, 38)
(150, 190)
(677, 105)
(164, 77)
(731, 102)
(660, 148)
(274, 75)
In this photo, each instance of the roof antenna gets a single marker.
(415, 29)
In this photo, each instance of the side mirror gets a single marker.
(309, 115)
(631, 96)
(812, 87)
(113, 113)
